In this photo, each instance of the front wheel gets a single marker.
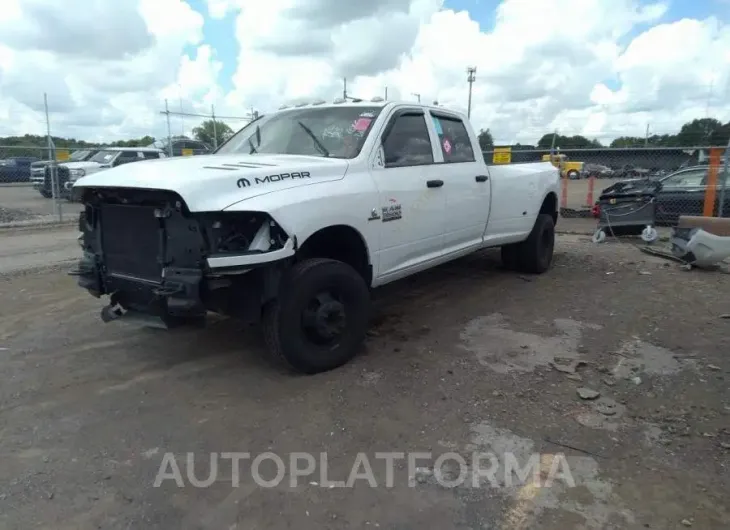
(46, 194)
(320, 318)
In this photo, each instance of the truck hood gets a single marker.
(214, 182)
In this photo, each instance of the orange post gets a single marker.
(711, 191)
(589, 195)
(564, 192)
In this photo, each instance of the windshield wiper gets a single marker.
(319, 144)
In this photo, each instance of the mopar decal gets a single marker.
(391, 213)
(244, 182)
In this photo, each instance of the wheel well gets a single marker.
(342, 243)
(550, 206)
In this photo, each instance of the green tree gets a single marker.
(145, 141)
(210, 130)
(486, 142)
(567, 142)
(697, 132)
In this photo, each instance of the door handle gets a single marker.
(434, 183)
(481, 178)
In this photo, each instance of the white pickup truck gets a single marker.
(294, 219)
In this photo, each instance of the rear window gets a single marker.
(453, 139)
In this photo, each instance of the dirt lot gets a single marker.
(21, 203)
(462, 359)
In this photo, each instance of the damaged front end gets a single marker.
(165, 265)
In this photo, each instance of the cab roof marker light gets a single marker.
(377, 99)
(298, 105)
(337, 101)
(319, 102)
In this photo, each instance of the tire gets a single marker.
(46, 194)
(535, 254)
(573, 174)
(511, 257)
(320, 318)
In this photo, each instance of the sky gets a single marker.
(600, 68)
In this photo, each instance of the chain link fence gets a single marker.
(683, 180)
(36, 172)
(196, 133)
(35, 182)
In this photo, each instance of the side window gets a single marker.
(453, 139)
(686, 179)
(408, 142)
(125, 157)
(150, 155)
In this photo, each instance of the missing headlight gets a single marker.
(243, 232)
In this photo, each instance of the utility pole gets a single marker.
(418, 96)
(471, 76)
(215, 128)
(182, 120)
(169, 132)
(386, 94)
(344, 88)
(646, 138)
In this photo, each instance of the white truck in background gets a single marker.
(295, 218)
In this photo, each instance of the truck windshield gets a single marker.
(333, 132)
(79, 155)
(103, 157)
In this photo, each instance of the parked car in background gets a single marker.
(39, 169)
(182, 147)
(598, 171)
(683, 193)
(632, 172)
(105, 158)
(680, 193)
(16, 168)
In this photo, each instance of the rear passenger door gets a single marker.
(467, 184)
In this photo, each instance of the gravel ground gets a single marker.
(11, 215)
(614, 365)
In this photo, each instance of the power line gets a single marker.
(193, 115)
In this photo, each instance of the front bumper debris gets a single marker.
(176, 296)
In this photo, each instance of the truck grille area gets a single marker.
(131, 240)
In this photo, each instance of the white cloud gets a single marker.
(593, 67)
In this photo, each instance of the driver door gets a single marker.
(412, 199)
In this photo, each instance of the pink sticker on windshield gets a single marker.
(362, 124)
(447, 146)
